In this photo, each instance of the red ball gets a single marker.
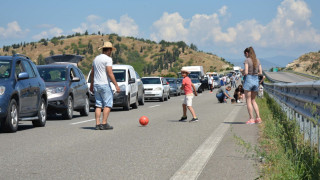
(144, 120)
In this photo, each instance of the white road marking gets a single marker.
(193, 167)
(154, 106)
(83, 121)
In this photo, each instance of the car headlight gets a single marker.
(2, 90)
(122, 87)
(158, 89)
(56, 90)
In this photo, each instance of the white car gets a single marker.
(156, 88)
(196, 82)
(128, 81)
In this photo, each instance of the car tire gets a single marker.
(86, 109)
(42, 115)
(141, 102)
(68, 113)
(169, 96)
(166, 98)
(126, 107)
(10, 123)
(162, 98)
(135, 105)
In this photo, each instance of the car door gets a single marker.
(83, 87)
(23, 88)
(77, 95)
(134, 86)
(166, 87)
(34, 89)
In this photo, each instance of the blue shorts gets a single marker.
(251, 83)
(104, 95)
(221, 97)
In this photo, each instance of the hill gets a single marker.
(307, 63)
(147, 57)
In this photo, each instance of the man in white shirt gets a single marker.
(101, 75)
(210, 82)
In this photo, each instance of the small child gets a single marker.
(187, 86)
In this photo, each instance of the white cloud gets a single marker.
(223, 10)
(125, 27)
(169, 27)
(12, 30)
(53, 32)
(289, 29)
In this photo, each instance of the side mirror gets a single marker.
(75, 79)
(132, 80)
(23, 75)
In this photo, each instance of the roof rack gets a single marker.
(21, 55)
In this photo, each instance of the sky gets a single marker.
(222, 27)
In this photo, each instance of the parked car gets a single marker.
(23, 95)
(67, 89)
(156, 88)
(174, 86)
(196, 82)
(216, 81)
(131, 88)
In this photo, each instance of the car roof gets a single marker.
(57, 65)
(121, 66)
(152, 77)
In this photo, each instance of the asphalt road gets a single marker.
(164, 149)
(287, 77)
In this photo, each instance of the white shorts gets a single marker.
(188, 99)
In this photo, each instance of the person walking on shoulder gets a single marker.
(101, 75)
(188, 88)
(252, 68)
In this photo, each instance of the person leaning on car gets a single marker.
(101, 75)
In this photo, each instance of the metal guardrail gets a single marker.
(301, 102)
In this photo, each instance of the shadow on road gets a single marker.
(234, 122)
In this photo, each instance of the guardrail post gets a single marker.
(306, 129)
(301, 120)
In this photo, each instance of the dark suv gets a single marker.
(22, 93)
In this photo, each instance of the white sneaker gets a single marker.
(238, 101)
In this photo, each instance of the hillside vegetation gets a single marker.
(307, 63)
(147, 57)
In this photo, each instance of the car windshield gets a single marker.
(53, 74)
(151, 80)
(216, 78)
(195, 80)
(179, 81)
(119, 74)
(171, 81)
(5, 68)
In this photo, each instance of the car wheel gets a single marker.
(135, 105)
(169, 96)
(141, 102)
(10, 123)
(166, 98)
(68, 113)
(127, 105)
(86, 108)
(162, 98)
(42, 115)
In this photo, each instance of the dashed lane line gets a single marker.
(154, 106)
(193, 167)
(82, 121)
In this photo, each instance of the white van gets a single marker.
(131, 94)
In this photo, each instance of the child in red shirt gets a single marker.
(187, 86)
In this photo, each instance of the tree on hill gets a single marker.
(40, 60)
(86, 33)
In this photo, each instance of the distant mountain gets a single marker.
(266, 63)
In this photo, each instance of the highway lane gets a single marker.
(72, 149)
(287, 77)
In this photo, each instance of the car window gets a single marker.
(76, 73)
(18, 69)
(5, 68)
(119, 74)
(53, 74)
(138, 77)
(195, 80)
(28, 69)
(80, 73)
(151, 80)
(164, 81)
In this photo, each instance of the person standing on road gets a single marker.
(222, 94)
(188, 88)
(233, 81)
(252, 68)
(101, 75)
(210, 82)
